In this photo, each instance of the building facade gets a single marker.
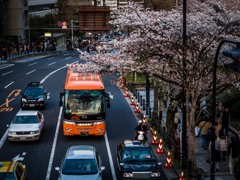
(14, 20)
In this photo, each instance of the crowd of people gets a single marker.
(223, 151)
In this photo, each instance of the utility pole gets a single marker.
(184, 118)
(72, 26)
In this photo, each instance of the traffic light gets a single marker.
(234, 54)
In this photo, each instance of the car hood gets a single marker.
(24, 127)
(32, 97)
(83, 177)
(140, 166)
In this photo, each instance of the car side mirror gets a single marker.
(61, 101)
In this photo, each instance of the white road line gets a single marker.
(8, 85)
(32, 64)
(68, 57)
(3, 139)
(51, 63)
(7, 73)
(3, 66)
(110, 157)
(30, 72)
(51, 58)
(54, 145)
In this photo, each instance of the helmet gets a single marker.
(140, 122)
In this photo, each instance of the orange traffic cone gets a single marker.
(181, 176)
(160, 147)
(168, 163)
(137, 109)
(132, 101)
(144, 119)
(126, 92)
(154, 139)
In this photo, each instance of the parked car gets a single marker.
(12, 170)
(137, 161)
(81, 162)
(34, 96)
(26, 126)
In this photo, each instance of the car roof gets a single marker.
(81, 152)
(7, 166)
(27, 113)
(134, 143)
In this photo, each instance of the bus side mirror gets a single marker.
(61, 101)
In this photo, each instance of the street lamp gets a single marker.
(214, 100)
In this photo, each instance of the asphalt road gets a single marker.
(42, 157)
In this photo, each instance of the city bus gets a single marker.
(84, 102)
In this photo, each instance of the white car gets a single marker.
(26, 126)
(81, 162)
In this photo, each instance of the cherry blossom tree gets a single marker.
(154, 46)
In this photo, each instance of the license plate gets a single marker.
(31, 105)
(23, 138)
(83, 134)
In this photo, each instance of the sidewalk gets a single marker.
(200, 153)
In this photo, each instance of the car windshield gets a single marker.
(7, 176)
(138, 153)
(25, 120)
(79, 167)
(33, 91)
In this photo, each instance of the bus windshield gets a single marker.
(84, 102)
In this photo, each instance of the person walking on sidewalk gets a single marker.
(205, 126)
(225, 121)
(223, 146)
(232, 153)
(217, 153)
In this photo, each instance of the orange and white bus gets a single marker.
(84, 102)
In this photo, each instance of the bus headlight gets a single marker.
(68, 129)
(155, 174)
(127, 175)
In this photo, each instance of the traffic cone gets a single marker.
(168, 163)
(126, 92)
(154, 139)
(132, 101)
(160, 147)
(181, 176)
(137, 109)
(144, 119)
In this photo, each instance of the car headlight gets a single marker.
(11, 133)
(40, 99)
(35, 132)
(155, 174)
(127, 175)
(24, 100)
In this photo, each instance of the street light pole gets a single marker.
(72, 31)
(214, 103)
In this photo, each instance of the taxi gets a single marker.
(12, 170)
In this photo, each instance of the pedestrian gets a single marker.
(223, 146)
(205, 127)
(217, 153)
(232, 153)
(218, 127)
(225, 121)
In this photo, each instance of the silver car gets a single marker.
(26, 126)
(81, 162)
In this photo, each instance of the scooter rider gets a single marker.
(141, 127)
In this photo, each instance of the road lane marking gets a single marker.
(54, 145)
(51, 63)
(7, 73)
(30, 72)
(8, 85)
(32, 64)
(51, 58)
(110, 157)
(3, 66)
(68, 57)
